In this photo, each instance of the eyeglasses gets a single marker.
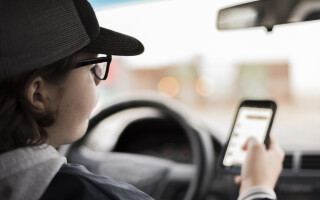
(100, 68)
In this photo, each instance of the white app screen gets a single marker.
(251, 122)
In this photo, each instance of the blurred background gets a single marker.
(186, 58)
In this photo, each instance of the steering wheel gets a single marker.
(161, 173)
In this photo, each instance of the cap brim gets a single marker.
(114, 43)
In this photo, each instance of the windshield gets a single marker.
(211, 71)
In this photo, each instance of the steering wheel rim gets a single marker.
(199, 140)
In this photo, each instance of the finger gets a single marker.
(249, 143)
(275, 147)
(237, 180)
(272, 143)
(245, 146)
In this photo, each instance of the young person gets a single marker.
(49, 73)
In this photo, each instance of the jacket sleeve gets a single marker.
(76, 182)
(258, 193)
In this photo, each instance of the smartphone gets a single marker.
(253, 119)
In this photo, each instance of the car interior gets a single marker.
(154, 134)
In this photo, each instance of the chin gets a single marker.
(76, 136)
(82, 131)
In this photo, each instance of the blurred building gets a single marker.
(263, 80)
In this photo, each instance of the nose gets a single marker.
(97, 81)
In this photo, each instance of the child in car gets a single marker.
(49, 73)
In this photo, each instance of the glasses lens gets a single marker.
(100, 69)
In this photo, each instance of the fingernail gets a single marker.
(252, 140)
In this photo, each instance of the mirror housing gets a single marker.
(268, 13)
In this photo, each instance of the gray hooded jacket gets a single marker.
(25, 173)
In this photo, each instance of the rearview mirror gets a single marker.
(268, 13)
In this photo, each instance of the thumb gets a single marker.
(249, 143)
(237, 180)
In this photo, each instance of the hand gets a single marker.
(262, 166)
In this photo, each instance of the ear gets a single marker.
(38, 94)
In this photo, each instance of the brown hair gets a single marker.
(20, 125)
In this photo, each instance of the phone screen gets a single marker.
(250, 122)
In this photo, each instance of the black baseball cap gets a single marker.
(36, 33)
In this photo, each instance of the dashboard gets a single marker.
(157, 137)
(300, 178)
(162, 138)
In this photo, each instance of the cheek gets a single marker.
(81, 99)
(76, 111)
(86, 98)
